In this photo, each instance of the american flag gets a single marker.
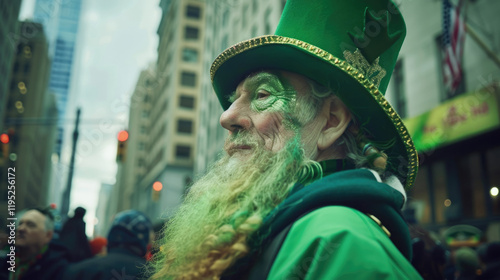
(452, 46)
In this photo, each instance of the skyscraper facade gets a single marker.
(31, 140)
(9, 36)
(61, 21)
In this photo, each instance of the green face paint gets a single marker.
(269, 93)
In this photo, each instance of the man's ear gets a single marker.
(338, 118)
(48, 236)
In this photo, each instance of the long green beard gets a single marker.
(210, 230)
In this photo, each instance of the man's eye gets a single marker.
(263, 94)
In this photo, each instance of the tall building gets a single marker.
(104, 220)
(132, 163)
(228, 22)
(456, 137)
(164, 116)
(32, 139)
(9, 37)
(171, 147)
(46, 12)
(61, 20)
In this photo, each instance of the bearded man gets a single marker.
(316, 162)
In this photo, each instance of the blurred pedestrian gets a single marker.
(466, 264)
(98, 246)
(128, 240)
(36, 257)
(429, 255)
(73, 236)
(489, 257)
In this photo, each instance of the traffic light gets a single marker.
(155, 193)
(122, 146)
(5, 140)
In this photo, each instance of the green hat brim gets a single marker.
(369, 106)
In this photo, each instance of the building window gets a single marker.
(190, 55)
(186, 102)
(191, 32)
(188, 79)
(182, 151)
(399, 90)
(193, 11)
(184, 126)
(142, 146)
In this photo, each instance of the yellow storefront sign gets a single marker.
(459, 118)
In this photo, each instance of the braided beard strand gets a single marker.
(210, 230)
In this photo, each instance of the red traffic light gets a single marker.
(4, 138)
(157, 186)
(122, 136)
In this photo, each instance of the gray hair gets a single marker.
(49, 218)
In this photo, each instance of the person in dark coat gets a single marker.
(489, 255)
(36, 257)
(74, 238)
(128, 240)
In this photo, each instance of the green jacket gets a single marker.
(353, 247)
(323, 231)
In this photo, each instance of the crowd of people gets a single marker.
(40, 254)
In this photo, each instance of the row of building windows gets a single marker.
(65, 45)
(25, 67)
(69, 13)
(59, 85)
(66, 60)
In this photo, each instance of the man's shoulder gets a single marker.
(334, 220)
(324, 242)
(356, 189)
(50, 265)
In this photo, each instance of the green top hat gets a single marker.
(350, 46)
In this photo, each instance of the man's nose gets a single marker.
(20, 227)
(236, 117)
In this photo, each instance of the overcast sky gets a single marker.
(117, 40)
